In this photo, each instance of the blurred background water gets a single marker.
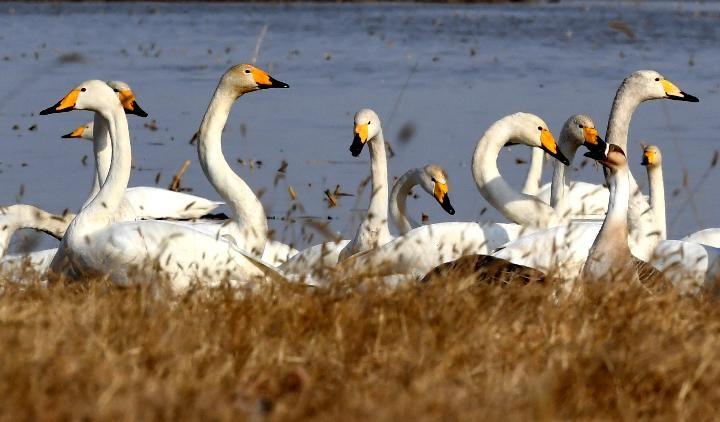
(438, 76)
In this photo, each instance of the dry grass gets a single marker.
(417, 353)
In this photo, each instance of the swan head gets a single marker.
(243, 78)
(93, 95)
(651, 156)
(580, 130)
(651, 85)
(532, 131)
(434, 180)
(366, 127)
(83, 132)
(127, 98)
(612, 158)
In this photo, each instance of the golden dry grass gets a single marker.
(416, 353)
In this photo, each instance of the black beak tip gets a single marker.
(274, 83)
(47, 111)
(355, 151)
(447, 206)
(67, 136)
(690, 98)
(137, 110)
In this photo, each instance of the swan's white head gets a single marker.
(127, 98)
(366, 127)
(651, 156)
(243, 78)
(93, 95)
(83, 132)
(580, 130)
(651, 85)
(434, 181)
(530, 130)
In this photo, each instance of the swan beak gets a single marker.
(648, 158)
(674, 93)
(598, 154)
(592, 140)
(441, 195)
(264, 81)
(360, 137)
(77, 133)
(550, 146)
(127, 99)
(64, 105)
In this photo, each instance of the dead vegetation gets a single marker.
(422, 352)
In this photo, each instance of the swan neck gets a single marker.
(623, 107)
(107, 200)
(657, 199)
(612, 238)
(534, 174)
(21, 216)
(102, 154)
(560, 182)
(249, 228)
(378, 209)
(518, 208)
(398, 202)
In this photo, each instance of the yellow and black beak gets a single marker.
(593, 141)
(599, 155)
(64, 105)
(441, 195)
(360, 137)
(547, 141)
(130, 105)
(265, 81)
(77, 133)
(648, 158)
(674, 93)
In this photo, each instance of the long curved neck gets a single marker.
(102, 153)
(21, 216)
(250, 228)
(560, 182)
(657, 198)
(613, 234)
(534, 174)
(623, 107)
(377, 215)
(104, 206)
(398, 201)
(518, 208)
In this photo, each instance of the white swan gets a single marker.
(21, 216)
(140, 250)
(426, 247)
(535, 170)
(652, 160)
(433, 180)
(373, 230)
(577, 130)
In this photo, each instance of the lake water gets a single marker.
(448, 72)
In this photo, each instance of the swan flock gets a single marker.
(566, 229)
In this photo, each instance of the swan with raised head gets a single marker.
(426, 247)
(95, 245)
(652, 160)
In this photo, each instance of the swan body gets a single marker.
(709, 237)
(94, 246)
(688, 265)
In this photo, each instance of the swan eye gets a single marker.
(83, 89)
(540, 128)
(116, 90)
(581, 126)
(657, 79)
(369, 122)
(433, 180)
(247, 70)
